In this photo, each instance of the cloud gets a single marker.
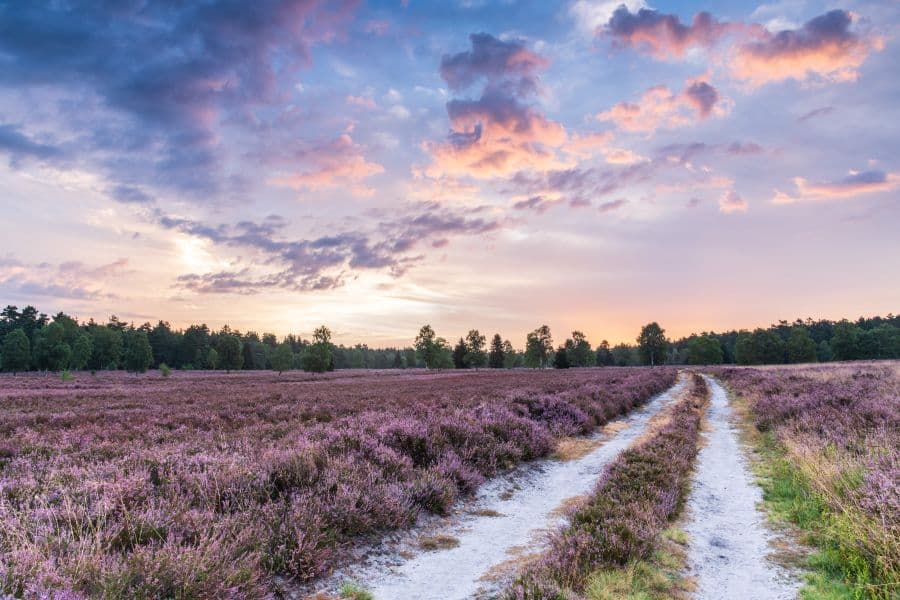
(361, 102)
(702, 97)
(659, 107)
(823, 47)
(818, 112)
(154, 82)
(499, 132)
(130, 195)
(19, 146)
(731, 202)
(338, 162)
(590, 15)
(848, 188)
(279, 262)
(69, 280)
(589, 145)
(744, 148)
(612, 205)
(662, 35)
(504, 64)
(538, 204)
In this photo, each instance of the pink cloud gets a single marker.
(661, 35)
(335, 163)
(824, 47)
(500, 132)
(848, 188)
(361, 101)
(660, 107)
(731, 202)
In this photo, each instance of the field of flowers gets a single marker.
(634, 500)
(834, 464)
(212, 485)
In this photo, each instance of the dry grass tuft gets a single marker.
(440, 541)
(486, 512)
(573, 448)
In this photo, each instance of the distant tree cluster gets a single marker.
(798, 342)
(31, 341)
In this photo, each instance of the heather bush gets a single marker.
(833, 438)
(203, 485)
(632, 503)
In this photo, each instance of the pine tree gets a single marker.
(561, 360)
(495, 356)
(459, 355)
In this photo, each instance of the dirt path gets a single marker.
(729, 542)
(510, 516)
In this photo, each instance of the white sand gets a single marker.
(729, 541)
(486, 542)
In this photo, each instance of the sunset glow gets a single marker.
(375, 166)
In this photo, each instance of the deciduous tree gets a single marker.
(580, 353)
(231, 356)
(107, 347)
(704, 350)
(137, 353)
(81, 352)
(16, 351)
(282, 358)
(476, 357)
(432, 350)
(800, 347)
(652, 344)
(319, 356)
(538, 346)
(510, 356)
(845, 341)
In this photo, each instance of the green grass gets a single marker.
(657, 578)
(837, 569)
(354, 591)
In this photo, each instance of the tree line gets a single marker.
(30, 340)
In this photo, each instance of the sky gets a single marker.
(375, 166)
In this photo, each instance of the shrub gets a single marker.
(622, 519)
(211, 486)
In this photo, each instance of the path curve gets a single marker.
(489, 542)
(729, 541)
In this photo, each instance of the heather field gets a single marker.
(829, 437)
(212, 485)
(537, 484)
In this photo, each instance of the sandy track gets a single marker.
(527, 503)
(729, 541)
